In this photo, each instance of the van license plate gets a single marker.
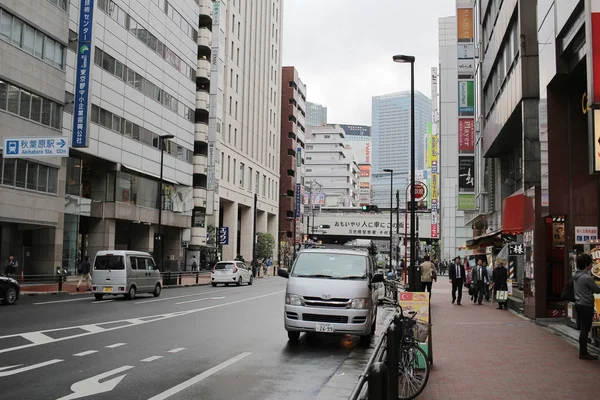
(327, 328)
(108, 289)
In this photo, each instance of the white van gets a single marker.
(124, 272)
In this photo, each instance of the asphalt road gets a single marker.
(192, 343)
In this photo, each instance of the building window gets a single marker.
(27, 105)
(264, 188)
(228, 168)
(62, 4)
(242, 173)
(29, 175)
(222, 165)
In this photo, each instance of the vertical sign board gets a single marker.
(298, 159)
(213, 120)
(224, 235)
(466, 103)
(82, 74)
(434, 156)
(298, 199)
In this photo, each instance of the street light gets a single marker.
(391, 171)
(400, 58)
(158, 237)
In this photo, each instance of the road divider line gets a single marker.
(27, 368)
(153, 358)
(39, 336)
(199, 378)
(85, 353)
(179, 297)
(114, 346)
(92, 328)
(206, 298)
(62, 301)
(177, 350)
(101, 301)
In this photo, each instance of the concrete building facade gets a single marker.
(293, 144)
(316, 114)
(33, 39)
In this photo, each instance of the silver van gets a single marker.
(331, 291)
(124, 272)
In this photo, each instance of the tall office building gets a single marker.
(142, 84)
(360, 141)
(391, 131)
(316, 114)
(33, 40)
(242, 125)
(293, 143)
(453, 232)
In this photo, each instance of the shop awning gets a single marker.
(488, 239)
(517, 214)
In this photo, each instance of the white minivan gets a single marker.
(124, 272)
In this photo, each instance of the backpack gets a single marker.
(568, 293)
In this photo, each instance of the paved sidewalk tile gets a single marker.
(483, 353)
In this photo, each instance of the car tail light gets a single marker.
(93, 287)
(121, 289)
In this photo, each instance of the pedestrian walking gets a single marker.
(428, 275)
(486, 288)
(457, 276)
(84, 273)
(11, 266)
(479, 280)
(500, 282)
(584, 287)
(194, 264)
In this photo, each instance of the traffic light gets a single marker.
(370, 208)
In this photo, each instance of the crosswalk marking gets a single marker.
(114, 346)
(85, 353)
(150, 359)
(177, 350)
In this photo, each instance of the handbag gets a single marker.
(501, 295)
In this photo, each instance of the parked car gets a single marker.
(9, 290)
(331, 291)
(124, 272)
(231, 272)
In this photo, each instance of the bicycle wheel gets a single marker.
(413, 371)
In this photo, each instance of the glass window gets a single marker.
(107, 262)
(130, 77)
(36, 106)
(128, 128)
(132, 26)
(3, 95)
(13, 99)
(119, 69)
(49, 50)
(9, 171)
(5, 25)
(46, 111)
(58, 54)
(53, 180)
(32, 173)
(17, 31)
(56, 119)
(108, 63)
(28, 39)
(21, 173)
(42, 184)
(105, 118)
(25, 104)
(38, 49)
(116, 123)
(95, 113)
(135, 133)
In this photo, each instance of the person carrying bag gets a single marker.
(500, 285)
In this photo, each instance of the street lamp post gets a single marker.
(413, 268)
(161, 241)
(391, 171)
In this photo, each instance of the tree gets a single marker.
(265, 245)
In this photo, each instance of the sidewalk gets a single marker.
(480, 352)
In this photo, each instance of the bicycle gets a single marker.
(413, 364)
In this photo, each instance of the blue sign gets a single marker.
(49, 146)
(298, 200)
(82, 74)
(224, 235)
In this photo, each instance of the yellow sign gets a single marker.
(435, 149)
(435, 190)
(419, 302)
(464, 23)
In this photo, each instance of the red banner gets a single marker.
(596, 54)
(466, 134)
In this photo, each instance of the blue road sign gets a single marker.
(48, 146)
(224, 235)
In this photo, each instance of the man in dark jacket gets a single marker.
(585, 288)
(457, 276)
(500, 279)
(84, 273)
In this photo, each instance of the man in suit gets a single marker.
(480, 279)
(457, 275)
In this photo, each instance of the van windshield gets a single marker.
(224, 266)
(330, 265)
(109, 262)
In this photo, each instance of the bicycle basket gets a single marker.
(408, 328)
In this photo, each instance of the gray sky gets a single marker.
(343, 49)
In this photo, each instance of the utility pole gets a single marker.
(398, 228)
(254, 233)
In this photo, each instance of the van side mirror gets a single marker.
(283, 273)
(377, 278)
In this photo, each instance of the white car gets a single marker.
(234, 272)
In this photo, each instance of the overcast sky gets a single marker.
(343, 49)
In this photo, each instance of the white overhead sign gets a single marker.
(51, 146)
(584, 234)
(363, 225)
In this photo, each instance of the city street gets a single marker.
(202, 342)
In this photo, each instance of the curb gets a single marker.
(56, 292)
(573, 339)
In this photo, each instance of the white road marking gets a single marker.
(37, 337)
(153, 358)
(206, 298)
(114, 346)
(85, 353)
(131, 322)
(92, 328)
(92, 386)
(179, 297)
(27, 368)
(177, 350)
(101, 301)
(62, 301)
(199, 378)
(10, 367)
